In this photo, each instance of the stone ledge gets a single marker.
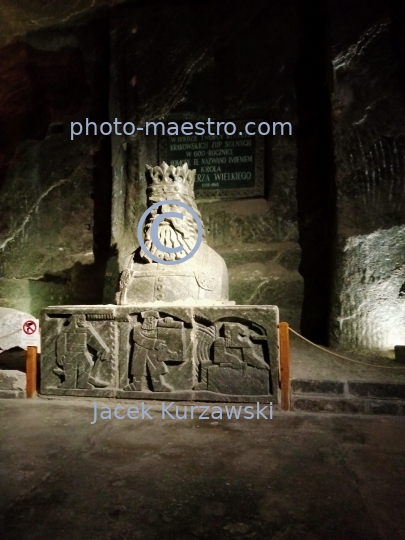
(12, 379)
(302, 386)
(329, 405)
(79, 392)
(12, 394)
(160, 396)
(349, 389)
(387, 407)
(377, 389)
(347, 406)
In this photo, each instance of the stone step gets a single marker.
(12, 384)
(351, 396)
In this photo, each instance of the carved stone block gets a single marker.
(211, 353)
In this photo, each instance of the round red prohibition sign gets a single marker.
(30, 327)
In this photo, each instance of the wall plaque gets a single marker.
(228, 166)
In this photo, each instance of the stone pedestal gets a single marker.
(211, 353)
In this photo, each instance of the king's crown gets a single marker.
(167, 179)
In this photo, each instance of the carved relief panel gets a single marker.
(170, 351)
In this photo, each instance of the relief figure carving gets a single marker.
(73, 354)
(227, 345)
(157, 340)
(237, 349)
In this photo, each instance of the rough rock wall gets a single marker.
(224, 61)
(52, 231)
(372, 299)
(369, 132)
(20, 17)
(234, 60)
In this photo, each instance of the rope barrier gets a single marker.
(344, 357)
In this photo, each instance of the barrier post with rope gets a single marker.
(30, 337)
(31, 369)
(390, 367)
(284, 340)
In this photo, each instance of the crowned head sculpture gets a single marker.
(201, 278)
(168, 182)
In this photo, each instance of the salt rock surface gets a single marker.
(11, 379)
(11, 321)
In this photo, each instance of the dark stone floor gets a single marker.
(296, 477)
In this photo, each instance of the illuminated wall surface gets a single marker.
(371, 302)
(323, 240)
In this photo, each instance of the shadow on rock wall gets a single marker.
(55, 194)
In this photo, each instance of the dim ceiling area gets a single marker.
(326, 241)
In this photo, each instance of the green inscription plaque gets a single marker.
(228, 166)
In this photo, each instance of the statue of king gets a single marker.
(203, 278)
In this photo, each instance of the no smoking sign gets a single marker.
(30, 327)
(30, 332)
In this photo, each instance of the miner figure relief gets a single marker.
(73, 355)
(156, 340)
(237, 349)
(227, 345)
